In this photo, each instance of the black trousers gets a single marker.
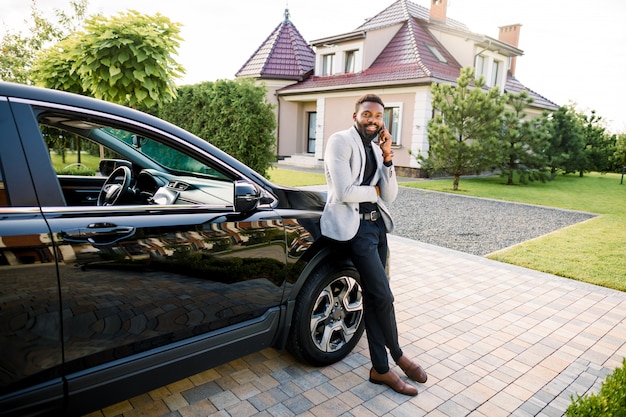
(368, 251)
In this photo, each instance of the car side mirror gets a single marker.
(107, 166)
(247, 196)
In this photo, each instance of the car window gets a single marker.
(72, 139)
(163, 171)
(164, 155)
(73, 154)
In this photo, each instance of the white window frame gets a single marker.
(496, 69)
(312, 130)
(349, 58)
(481, 62)
(397, 132)
(492, 68)
(328, 64)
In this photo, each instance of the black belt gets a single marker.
(371, 216)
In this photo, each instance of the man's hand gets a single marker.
(384, 141)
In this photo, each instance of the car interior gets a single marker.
(98, 163)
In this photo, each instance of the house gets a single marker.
(398, 54)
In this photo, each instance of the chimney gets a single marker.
(510, 34)
(438, 9)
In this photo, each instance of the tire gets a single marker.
(328, 316)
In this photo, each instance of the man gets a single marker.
(360, 177)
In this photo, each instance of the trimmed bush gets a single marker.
(233, 115)
(609, 402)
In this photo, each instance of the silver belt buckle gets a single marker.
(374, 215)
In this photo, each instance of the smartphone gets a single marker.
(381, 132)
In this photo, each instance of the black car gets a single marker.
(171, 259)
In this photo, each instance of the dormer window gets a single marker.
(340, 54)
(328, 63)
(492, 70)
(495, 73)
(350, 62)
(481, 68)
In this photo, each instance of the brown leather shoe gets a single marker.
(393, 381)
(412, 370)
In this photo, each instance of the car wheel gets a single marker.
(328, 317)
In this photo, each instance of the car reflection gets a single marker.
(159, 287)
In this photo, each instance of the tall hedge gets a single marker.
(232, 115)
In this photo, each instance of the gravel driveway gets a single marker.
(473, 225)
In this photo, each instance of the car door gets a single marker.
(137, 278)
(149, 290)
(31, 365)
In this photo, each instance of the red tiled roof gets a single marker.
(283, 55)
(514, 86)
(401, 11)
(406, 58)
(410, 45)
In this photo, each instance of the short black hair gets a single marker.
(368, 97)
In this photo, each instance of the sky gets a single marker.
(574, 50)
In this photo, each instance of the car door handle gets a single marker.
(98, 234)
(109, 235)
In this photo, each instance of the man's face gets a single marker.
(369, 119)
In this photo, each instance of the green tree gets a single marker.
(232, 115)
(565, 148)
(125, 59)
(598, 146)
(523, 142)
(19, 51)
(463, 134)
(619, 156)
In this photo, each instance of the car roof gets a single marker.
(28, 92)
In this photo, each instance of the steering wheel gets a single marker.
(116, 185)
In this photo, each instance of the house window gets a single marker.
(495, 73)
(350, 63)
(310, 145)
(480, 66)
(433, 50)
(328, 64)
(391, 118)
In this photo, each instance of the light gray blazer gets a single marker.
(344, 163)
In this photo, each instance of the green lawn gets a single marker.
(593, 251)
(293, 178)
(91, 162)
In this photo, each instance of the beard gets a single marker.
(366, 134)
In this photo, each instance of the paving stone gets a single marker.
(175, 401)
(451, 408)
(242, 409)
(331, 408)
(383, 404)
(224, 399)
(298, 404)
(201, 392)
